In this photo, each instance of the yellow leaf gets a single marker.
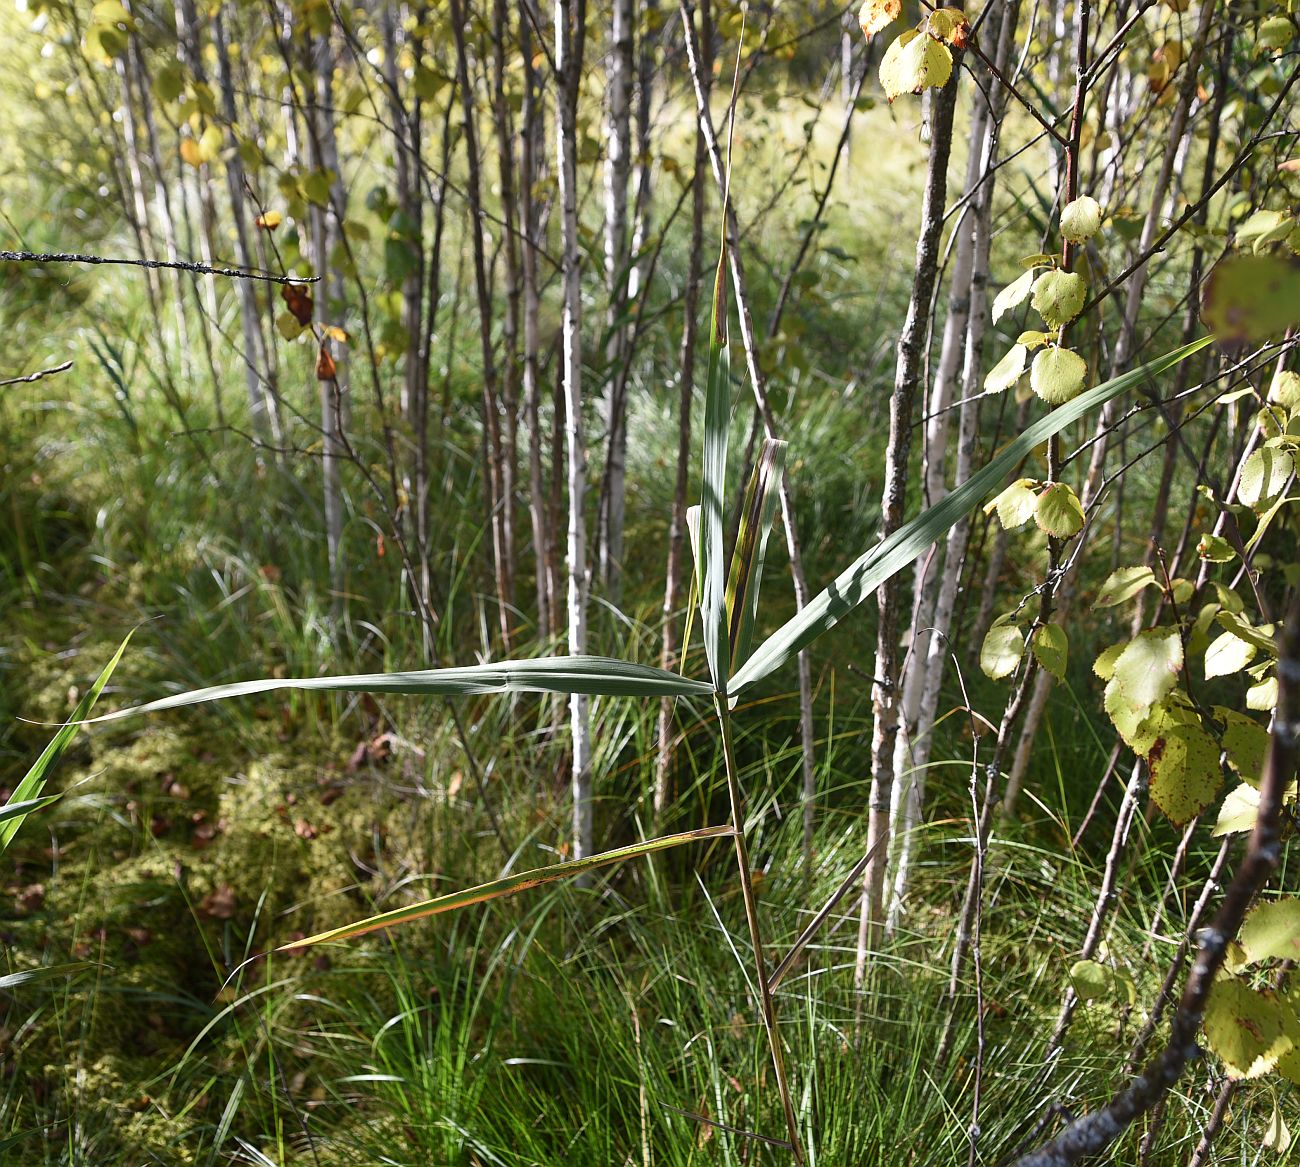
(190, 154)
(875, 15)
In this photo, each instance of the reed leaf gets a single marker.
(756, 516)
(717, 423)
(506, 886)
(861, 578)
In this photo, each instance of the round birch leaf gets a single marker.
(1059, 296)
(1059, 512)
(1264, 476)
(1013, 295)
(1002, 649)
(1245, 1028)
(1016, 504)
(1238, 812)
(1123, 584)
(1052, 648)
(1093, 981)
(1081, 219)
(1008, 370)
(1215, 549)
(1147, 670)
(1272, 931)
(1227, 654)
(1185, 771)
(913, 62)
(1285, 390)
(1058, 375)
(1251, 298)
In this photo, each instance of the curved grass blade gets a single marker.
(506, 886)
(29, 789)
(596, 676)
(47, 972)
(893, 554)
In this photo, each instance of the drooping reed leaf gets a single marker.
(28, 791)
(746, 579)
(508, 885)
(891, 555)
(596, 676)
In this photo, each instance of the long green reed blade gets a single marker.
(717, 423)
(693, 597)
(33, 782)
(746, 581)
(893, 554)
(596, 676)
(509, 885)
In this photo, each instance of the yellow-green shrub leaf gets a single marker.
(1013, 295)
(1272, 931)
(1081, 219)
(1227, 654)
(1238, 812)
(1059, 296)
(1008, 370)
(1123, 584)
(1016, 504)
(1185, 771)
(1052, 648)
(1058, 375)
(1264, 476)
(1147, 670)
(1002, 649)
(1245, 1028)
(914, 62)
(1059, 512)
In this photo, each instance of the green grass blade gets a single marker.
(596, 676)
(746, 581)
(46, 972)
(33, 782)
(717, 424)
(693, 597)
(506, 886)
(893, 554)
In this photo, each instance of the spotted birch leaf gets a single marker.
(1003, 646)
(1013, 295)
(914, 62)
(1185, 770)
(1058, 375)
(1245, 742)
(1059, 512)
(1008, 370)
(1245, 1028)
(1104, 665)
(1059, 296)
(1081, 219)
(1272, 931)
(1122, 585)
(876, 15)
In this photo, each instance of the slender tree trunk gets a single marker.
(570, 21)
(907, 380)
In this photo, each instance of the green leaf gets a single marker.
(913, 62)
(895, 553)
(1147, 670)
(1059, 296)
(1245, 1028)
(1185, 771)
(1092, 981)
(1058, 375)
(1244, 741)
(1238, 813)
(1227, 654)
(1272, 931)
(756, 518)
(1016, 504)
(1002, 649)
(1264, 476)
(1052, 647)
(1081, 219)
(1275, 32)
(508, 885)
(1013, 295)
(1263, 696)
(1252, 298)
(1285, 390)
(1104, 665)
(33, 782)
(46, 972)
(1215, 549)
(1059, 512)
(1008, 370)
(717, 423)
(1238, 625)
(596, 676)
(1122, 585)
